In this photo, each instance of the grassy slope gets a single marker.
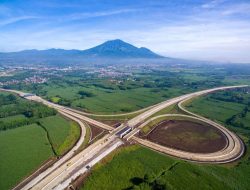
(22, 150)
(129, 164)
(70, 140)
(63, 134)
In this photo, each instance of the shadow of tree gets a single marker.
(136, 180)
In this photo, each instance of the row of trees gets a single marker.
(4, 125)
(31, 110)
(230, 96)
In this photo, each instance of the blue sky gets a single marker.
(216, 30)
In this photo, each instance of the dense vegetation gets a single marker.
(28, 112)
(128, 170)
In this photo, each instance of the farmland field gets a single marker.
(111, 101)
(22, 150)
(128, 170)
(24, 143)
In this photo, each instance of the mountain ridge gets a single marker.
(109, 49)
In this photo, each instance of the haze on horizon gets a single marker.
(216, 30)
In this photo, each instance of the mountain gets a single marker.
(113, 49)
(120, 49)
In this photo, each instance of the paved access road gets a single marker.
(62, 173)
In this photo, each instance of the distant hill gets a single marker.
(110, 49)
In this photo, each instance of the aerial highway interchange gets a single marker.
(73, 164)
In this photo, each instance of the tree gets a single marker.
(85, 94)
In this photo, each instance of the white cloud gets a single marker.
(79, 16)
(212, 4)
(221, 41)
(15, 19)
(224, 41)
(243, 8)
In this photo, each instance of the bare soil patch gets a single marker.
(112, 123)
(95, 131)
(188, 136)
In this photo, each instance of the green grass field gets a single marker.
(63, 134)
(129, 165)
(22, 150)
(70, 140)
